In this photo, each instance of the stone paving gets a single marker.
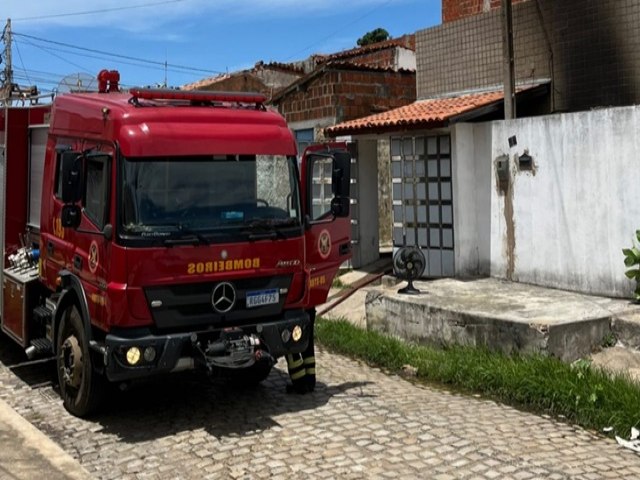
(360, 423)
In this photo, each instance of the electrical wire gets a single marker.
(82, 69)
(339, 30)
(105, 57)
(21, 62)
(119, 56)
(94, 12)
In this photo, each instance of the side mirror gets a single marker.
(107, 232)
(71, 172)
(341, 174)
(340, 206)
(70, 216)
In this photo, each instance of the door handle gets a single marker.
(344, 248)
(50, 248)
(77, 262)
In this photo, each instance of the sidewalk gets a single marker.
(27, 453)
(506, 316)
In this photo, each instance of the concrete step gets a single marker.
(505, 316)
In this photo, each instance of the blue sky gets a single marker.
(213, 36)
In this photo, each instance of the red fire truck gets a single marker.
(155, 231)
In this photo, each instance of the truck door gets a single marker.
(326, 179)
(89, 238)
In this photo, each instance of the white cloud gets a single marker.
(119, 14)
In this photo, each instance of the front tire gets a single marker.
(81, 388)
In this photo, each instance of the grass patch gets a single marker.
(582, 394)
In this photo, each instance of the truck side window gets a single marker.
(58, 182)
(321, 194)
(96, 189)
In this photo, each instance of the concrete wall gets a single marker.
(564, 223)
(471, 145)
(385, 198)
(368, 249)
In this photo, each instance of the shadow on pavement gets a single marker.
(186, 402)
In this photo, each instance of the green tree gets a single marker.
(374, 36)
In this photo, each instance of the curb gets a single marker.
(36, 442)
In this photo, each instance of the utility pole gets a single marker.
(508, 53)
(8, 72)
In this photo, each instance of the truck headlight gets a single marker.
(133, 355)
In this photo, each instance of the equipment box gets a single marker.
(18, 297)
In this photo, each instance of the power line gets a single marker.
(117, 55)
(94, 12)
(339, 30)
(59, 57)
(21, 62)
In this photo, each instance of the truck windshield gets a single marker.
(203, 199)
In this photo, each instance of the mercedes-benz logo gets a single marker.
(223, 297)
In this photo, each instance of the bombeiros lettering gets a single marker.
(230, 265)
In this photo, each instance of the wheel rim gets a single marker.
(71, 365)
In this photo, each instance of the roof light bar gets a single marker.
(196, 96)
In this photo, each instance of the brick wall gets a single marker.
(457, 9)
(591, 49)
(348, 94)
(244, 82)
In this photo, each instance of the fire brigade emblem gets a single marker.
(93, 257)
(324, 244)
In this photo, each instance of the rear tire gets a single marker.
(81, 388)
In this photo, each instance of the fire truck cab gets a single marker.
(177, 230)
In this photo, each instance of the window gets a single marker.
(304, 138)
(58, 183)
(96, 189)
(321, 193)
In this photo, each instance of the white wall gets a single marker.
(472, 198)
(573, 215)
(405, 59)
(368, 248)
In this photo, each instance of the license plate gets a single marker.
(262, 297)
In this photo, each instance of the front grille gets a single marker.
(189, 305)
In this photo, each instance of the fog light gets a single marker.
(133, 355)
(297, 333)
(149, 354)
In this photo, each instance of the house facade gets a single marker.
(543, 199)
(344, 86)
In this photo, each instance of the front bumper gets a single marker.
(178, 351)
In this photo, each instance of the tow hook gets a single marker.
(264, 356)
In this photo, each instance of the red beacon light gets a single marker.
(197, 96)
(108, 81)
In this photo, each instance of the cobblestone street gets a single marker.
(360, 423)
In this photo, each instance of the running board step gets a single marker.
(39, 347)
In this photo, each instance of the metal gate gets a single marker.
(423, 199)
(321, 199)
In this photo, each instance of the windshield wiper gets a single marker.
(269, 227)
(188, 237)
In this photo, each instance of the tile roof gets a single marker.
(406, 41)
(421, 114)
(205, 82)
